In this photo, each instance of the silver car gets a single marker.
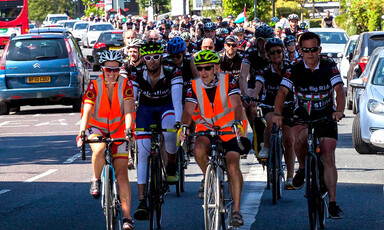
(368, 125)
(93, 32)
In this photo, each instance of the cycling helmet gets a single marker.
(176, 45)
(206, 57)
(264, 32)
(293, 17)
(163, 21)
(186, 36)
(224, 24)
(256, 19)
(219, 18)
(209, 26)
(238, 30)
(151, 47)
(275, 19)
(220, 31)
(304, 25)
(259, 24)
(174, 34)
(111, 55)
(272, 43)
(289, 39)
(134, 42)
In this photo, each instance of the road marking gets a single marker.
(54, 122)
(14, 124)
(4, 191)
(38, 133)
(41, 175)
(74, 157)
(256, 178)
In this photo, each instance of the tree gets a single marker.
(38, 9)
(91, 8)
(159, 6)
(235, 7)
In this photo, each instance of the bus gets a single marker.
(13, 19)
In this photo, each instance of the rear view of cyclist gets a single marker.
(107, 110)
(222, 90)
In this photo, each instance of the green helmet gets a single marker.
(151, 48)
(207, 57)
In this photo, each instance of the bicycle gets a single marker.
(156, 186)
(110, 201)
(316, 191)
(218, 200)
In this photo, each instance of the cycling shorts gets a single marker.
(232, 145)
(119, 151)
(328, 129)
(150, 115)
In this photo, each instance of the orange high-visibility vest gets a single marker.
(221, 114)
(106, 117)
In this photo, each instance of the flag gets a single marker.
(242, 16)
(245, 10)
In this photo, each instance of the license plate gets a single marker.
(114, 48)
(5, 42)
(42, 79)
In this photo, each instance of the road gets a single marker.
(45, 185)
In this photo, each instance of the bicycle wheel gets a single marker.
(151, 192)
(227, 203)
(179, 166)
(274, 170)
(322, 197)
(182, 169)
(211, 199)
(159, 192)
(108, 199)
(312, 191)
(280, 169)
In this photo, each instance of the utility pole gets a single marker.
(255, 7)
(273, 8)
(55, 6)
(313, 9)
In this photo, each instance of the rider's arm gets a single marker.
(244, 71)
(128, 105)
(236, 105)
(87, 112)
(186, 118)
(177, 93)
(340, 98)
(334, 23)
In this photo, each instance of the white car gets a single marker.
(93, 32)
(79, 29)
(332, 41)
(368, 125)
(54, 18)
(68, 23)
(345, 56)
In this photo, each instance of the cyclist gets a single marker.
(328, 21)
(222, 90)
(293, 24)
(291, 53)
(186, 25)
(210, 32)
(107, 109)
(160, 92)
(221, 33)
(314, 80)
(230, 58)
(191, 46)
(268, 81)
(239, 32)
(133, 62)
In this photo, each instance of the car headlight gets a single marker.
(375, 106)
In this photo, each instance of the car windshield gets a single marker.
(378, 78)
(81, 26)
(37, 49)
(111, 37)
(351, 47)
(333, 37)
(69, 24)
(55, 19)
(101, 27)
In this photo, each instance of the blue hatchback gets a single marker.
(42, 69)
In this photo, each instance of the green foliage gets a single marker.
(235, 7)
(160, 6)
(38, 9)
(91, 8)
(313, 23)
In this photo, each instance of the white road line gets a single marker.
(37, 133)
(4, 191)
(257, 178)
(73, 158)
(41, 175)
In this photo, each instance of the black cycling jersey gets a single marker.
(230, 65)
(328, 21)
(130, 71)
(185, 67)
(129, 25)
(161, 93)
(313, 90)
(192, 48)
(271, 82)
(254, 60)
(288, 31)
(185, 27)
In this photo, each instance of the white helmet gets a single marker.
(111, 55)
(134, 42)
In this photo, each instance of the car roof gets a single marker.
(371, 33)
(112, 31)
(326, 30)
(99, 23)
(81, 22)
(56, 15)
(45, 35)
(49, 30)
(380, 51)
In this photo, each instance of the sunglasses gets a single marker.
(111, 69)
(206, 68)
(154, 57)
(177, 56)
(186, 40)
(312, 49)
(291, 44)
(234, 45)
(273, 52)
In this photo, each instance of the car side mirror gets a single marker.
(90, 58)
(357, 71)
(357, 83)
(350, 56)
(340, 55)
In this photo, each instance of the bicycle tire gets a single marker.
(108, 197)
(182, 170)
(151, 193)
(280, 172)
(323, 205)
(159, 193)
(273, 164)
(312, 192)
(227, 203)
(211, 199)
(179, 166)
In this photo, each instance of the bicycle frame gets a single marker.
(108, 165)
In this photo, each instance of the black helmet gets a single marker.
(163, 21)
(209, 26)
(219, 18)
(272, 43)
(289, 39)
(264, 32)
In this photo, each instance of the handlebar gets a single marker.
(311, 121)
(155, 129)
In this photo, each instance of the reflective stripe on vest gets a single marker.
(108, 117)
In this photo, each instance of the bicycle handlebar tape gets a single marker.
(83, 145)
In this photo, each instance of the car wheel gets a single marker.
(96, 67)
(354, 107)
(360, 146)
(15, 108)
(76, 106)
(4, 108)
(349, 102)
